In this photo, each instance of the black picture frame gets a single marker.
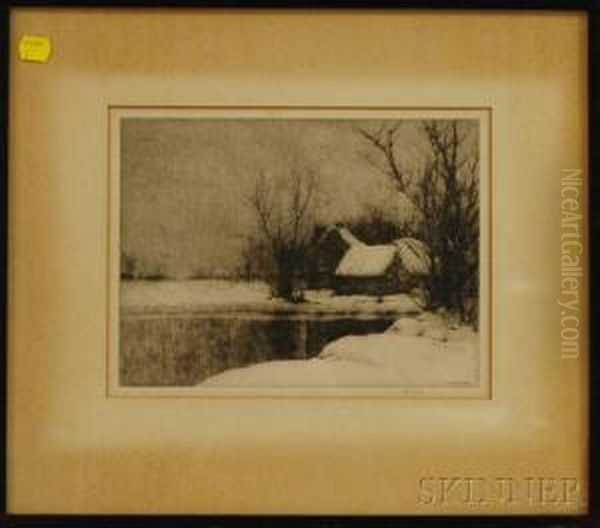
(590, 520)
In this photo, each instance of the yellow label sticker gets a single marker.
(35, 48)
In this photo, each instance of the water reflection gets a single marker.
(185, 350)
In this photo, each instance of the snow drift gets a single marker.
(413, 352)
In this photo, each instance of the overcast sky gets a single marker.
(183, 181)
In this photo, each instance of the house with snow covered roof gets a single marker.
(328, 251)
(349, 266)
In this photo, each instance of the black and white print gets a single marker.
(299, 252)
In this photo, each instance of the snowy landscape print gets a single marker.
(299, 252)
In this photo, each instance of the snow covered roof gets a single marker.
(414, 255)
(348, 237)
(362, 260)
(344, 233)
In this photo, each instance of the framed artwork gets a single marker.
(300, 278)
(316, 262)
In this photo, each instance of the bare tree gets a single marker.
(445, 193)
(384, 140)
(284, 207)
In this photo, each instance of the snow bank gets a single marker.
(427, 324)
(415, 360)
(407, 355)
